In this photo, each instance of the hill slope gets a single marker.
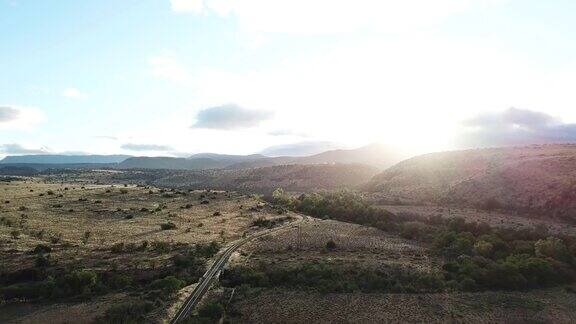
(374, 155)
(540, 179)
(170, 163)
(299, 178)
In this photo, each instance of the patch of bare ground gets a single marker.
(63, 312)
(495, 219)
(356, 245)
(280, 306)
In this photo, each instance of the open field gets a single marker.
(131, 232)
(356, 245)
(280, 306)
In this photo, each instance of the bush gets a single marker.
(42, 261)
(212, 310)
(484, 248)
(80, 281)
(118, 281)
(554, 248)
(413, 230)
(41, 248)
(161, 247)
(325, 277)
(86, 237)
(127, 313)
(207, 250)
(168, 226)
(55, 239)
(15, 233)
(330, 245)
(169, 284)
(117, 247)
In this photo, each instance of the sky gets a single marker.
(176, 77)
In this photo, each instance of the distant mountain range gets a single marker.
(373, 155)
(63, 159)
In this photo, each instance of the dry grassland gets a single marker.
(81, 223)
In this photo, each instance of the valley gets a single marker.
(108, 245)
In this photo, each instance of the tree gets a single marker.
(554, 248)
(211, 310)
(484, 248)
(331, 245)
(86, 237)
(281, 197)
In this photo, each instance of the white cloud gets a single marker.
(194, 6)
(72, 93)
(146, 147)
(19, 117)
(166, 66)
(330, 16)
(15, 148)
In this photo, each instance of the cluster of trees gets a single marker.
(477, 256)
(68, 284)
(133, 312)
(326, 277)
(490, 261)
(343, 205)
(45, 280)
(269, 223)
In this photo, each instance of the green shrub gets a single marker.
(41, 248)
(168, 226)
(161, 247)
(127, 313)
(207, 250)
(15, 233)
(42, 261)
(80, 281)
(413, 230)
(554, 248)
(169, 284)
(212, 310)
(117, 247)
(331, 245)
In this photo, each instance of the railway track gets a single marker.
(215, 269)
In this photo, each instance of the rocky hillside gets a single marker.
(539, 179)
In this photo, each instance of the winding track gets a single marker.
(217, 266)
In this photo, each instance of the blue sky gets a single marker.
(146, 77)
